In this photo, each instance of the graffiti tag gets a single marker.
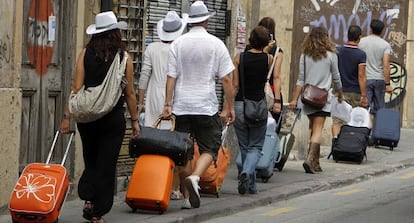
(5, 50)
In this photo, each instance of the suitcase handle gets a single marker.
(296, 111)
(161, 117)
(52, 148)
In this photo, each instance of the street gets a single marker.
(382, 199)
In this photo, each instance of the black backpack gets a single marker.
(351, 144)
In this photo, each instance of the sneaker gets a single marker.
(242, 188)
(186, 204)
(176, 195)
(191, 183)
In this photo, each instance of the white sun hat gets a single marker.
(171, 27)
(105, 21)
(198, 12)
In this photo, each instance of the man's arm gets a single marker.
(228, 109)
(386, 67)
(169, 90)
(362, 80)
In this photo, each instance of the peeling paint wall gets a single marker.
(10, 100)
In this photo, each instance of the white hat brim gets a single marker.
(170, 36)
(200, 19)
(92, 28)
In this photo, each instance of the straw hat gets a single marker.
(105, 21)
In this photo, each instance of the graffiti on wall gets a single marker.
(338, 15)
(5, 50)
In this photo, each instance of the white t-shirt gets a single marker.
(195, 59)
(375, 48)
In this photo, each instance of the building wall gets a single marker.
(10, 100)
(408, 107)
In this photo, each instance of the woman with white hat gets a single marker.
(153, 76)
(102, 139)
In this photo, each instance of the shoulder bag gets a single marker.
(312, 95)
(255, 112)
(270, 97)
(92, 103)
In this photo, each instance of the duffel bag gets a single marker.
(177, 145)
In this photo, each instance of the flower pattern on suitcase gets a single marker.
(36, 186)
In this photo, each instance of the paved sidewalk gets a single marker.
(291, 182)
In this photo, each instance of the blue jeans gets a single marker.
(375, 95)
(251, 140)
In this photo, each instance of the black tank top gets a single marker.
(255, 73)
(96, 70)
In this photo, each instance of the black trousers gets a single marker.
(101, 142)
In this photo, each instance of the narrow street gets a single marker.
(383, 199)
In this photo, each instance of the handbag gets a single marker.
(176, 145)
(92, 103)
(312, 95)
(255, 112)
(270, 97)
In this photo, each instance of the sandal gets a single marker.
(97, 220)
(87, 210)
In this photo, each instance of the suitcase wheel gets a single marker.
(134, 210)
(279, 166)
(218, 192)
(391, 148)
(265, 179)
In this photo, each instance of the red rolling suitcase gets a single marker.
(150, 185)
(41, 190)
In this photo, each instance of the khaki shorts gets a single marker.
(351, 98)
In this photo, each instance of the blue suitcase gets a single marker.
(270, 152)
(386, 129)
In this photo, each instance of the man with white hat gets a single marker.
(195, 60)
(153, 77)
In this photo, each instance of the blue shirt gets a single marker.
(349, 58)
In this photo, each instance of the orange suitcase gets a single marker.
(212, 179)
(41, 190)
(150, 184)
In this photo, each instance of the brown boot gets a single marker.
(310, 162)
(317, 166)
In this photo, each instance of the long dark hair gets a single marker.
(106, 44)
(269, 23)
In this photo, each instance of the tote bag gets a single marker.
(92, 103)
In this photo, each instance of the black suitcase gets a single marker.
(386, 129)
(176, 145)
(351, 144)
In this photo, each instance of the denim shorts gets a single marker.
(205, 129)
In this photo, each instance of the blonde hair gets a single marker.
(318, 43)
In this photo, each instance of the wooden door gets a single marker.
(45, 75)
